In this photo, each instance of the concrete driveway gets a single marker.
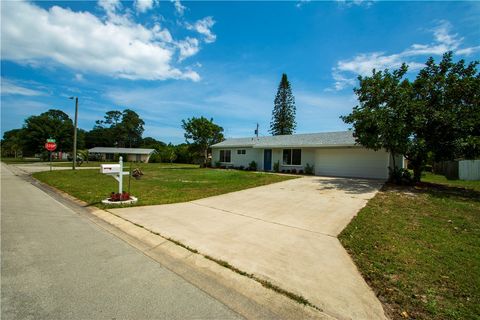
(284, 233)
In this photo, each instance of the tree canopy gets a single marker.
(437, 114)
(54, 124)
(119, 129)
(201, 133)
(283, 114)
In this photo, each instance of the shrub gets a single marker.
(309, 169)
(400, 176)
(217, 164)
(300, 171)
(276, 166)
(294, 170)
(241, 168)
(252, 166)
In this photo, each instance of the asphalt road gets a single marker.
(56, 264)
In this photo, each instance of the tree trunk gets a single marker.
(417, 171)
(205, 154)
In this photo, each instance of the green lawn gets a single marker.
(19, 160)
(436, 178)
(160, 184)
(419, 249)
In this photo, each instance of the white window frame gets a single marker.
(241, 151)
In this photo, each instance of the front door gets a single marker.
(267, 159)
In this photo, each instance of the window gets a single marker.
(225, 155)
(292, 157)
(241, 151)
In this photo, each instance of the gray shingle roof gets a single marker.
(120, 150)
(322, 139)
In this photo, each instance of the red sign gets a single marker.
(50, 146)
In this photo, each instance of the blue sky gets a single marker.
(169, 61)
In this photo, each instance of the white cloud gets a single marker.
(110, 6)
(188, 47)
(10, 87)
(114, 46)
(179, 8)
(346, 71)
(301, 3)
(144, 5)
(203, 27)
(351, 3)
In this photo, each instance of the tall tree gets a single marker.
(131, 129)
(201, 133)
(119, 129)
(381, 118)
(12, 143)
(283, 114)
(54, 124)
(438, 114)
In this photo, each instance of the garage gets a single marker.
(351, 162)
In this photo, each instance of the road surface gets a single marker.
(57, 264)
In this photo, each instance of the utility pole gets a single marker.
(74, 164)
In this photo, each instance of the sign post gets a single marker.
(50, 145)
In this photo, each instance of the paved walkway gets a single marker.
(56, 264)
(284, 233)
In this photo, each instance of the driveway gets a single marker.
(285, 233)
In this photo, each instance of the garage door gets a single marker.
(351, 162)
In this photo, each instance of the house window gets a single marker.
(292, 157)
(225, 155)
(241, 151)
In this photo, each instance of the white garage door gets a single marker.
(351, 162)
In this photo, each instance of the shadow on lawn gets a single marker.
(438, 190)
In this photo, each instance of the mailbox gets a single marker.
(110, 168)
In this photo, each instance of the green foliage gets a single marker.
(252, 166)
(117, 129)
(283, 114)
(12, 143)
(151, 143)
(201, 133)
(437, 116)
(168, 153)
(309, 169)
(53, 124)
(276, 166)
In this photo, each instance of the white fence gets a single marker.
(469, 170)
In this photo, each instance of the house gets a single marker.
(331, 154)
(132, 154)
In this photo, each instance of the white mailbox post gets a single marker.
(116, 171)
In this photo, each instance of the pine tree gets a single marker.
(283, 114)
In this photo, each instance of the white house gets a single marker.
(331, 154)
(132, 154)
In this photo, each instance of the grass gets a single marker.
(160, 184)
(19, 160)
(419, 249)
(134, 165)
(438, 179)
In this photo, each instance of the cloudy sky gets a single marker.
(170, 60)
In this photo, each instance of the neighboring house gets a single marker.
(331, 154)
(133, 154)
